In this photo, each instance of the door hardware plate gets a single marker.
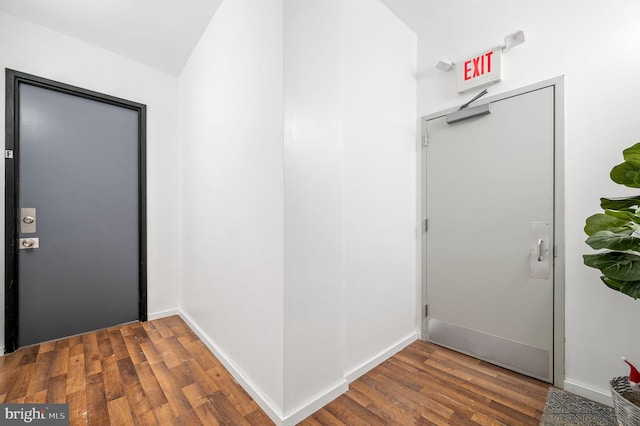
(27, 220)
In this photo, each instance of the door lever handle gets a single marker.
(28, 243)
(540, 242)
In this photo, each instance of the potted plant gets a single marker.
(616, 231)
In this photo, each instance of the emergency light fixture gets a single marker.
(510, 41)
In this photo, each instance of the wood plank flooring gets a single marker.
(160, 373)
(425, 384)
(153, 373)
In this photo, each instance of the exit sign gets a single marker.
(481, 70)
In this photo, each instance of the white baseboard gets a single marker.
(381, 357)
(311, 407)
(603, 396)
(235, 372)
(326, 397)
(162, 314)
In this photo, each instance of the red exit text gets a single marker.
(475, 67)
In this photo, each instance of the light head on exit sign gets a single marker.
(480, 70)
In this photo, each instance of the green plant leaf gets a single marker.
(622, 240)
(617, 265)
(619, 203)
(611, 283)
(627, 174)
(602, 222)
(624, 215)
(632, 153)
(630, 288)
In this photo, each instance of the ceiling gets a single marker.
(158, 33)
(420, 14)
(162, 33)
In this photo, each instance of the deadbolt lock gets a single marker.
(27, 220)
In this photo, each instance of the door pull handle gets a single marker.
(540, 242)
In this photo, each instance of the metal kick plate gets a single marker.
(28, 243)
(27, 220)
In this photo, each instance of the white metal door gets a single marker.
(489, 244)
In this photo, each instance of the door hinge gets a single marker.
(426, 310)
(555, 251)
(426, 225)
(425, 139)
(8, 153)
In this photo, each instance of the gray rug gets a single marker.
(564, 408)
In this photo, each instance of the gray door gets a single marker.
(490, 242)
(77, 213)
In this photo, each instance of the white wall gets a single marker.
(298, 134)
(350, 224)
(232, 193)
(379, 130)
(33, 49)
(594, 44)
(313, 320)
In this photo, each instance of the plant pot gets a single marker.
(627, 413)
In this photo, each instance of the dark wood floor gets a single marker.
(160, 373)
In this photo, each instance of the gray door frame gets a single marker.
(12, 181)
(559, 263)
